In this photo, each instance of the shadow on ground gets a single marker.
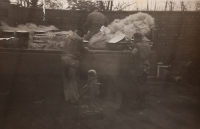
(37, 102)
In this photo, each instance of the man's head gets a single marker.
(95, 9)
(80, 31)
(137, 37)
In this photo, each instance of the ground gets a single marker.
(37, 102)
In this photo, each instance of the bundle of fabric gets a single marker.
(139, 22)
(28, 27)
(54, 40)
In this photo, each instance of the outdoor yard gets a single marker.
(31, 80)
(37, 102)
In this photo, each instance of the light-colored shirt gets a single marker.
(73, 46)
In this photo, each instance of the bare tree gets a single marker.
(121, 6)
(34, 3)
(197, 5)
(155, 6)
(171, 5)
(88, 5)
(147, 5)
(54, 4)
(109, 5)
(184, 6)
(136, 6)
(166, 3)
(27, 3)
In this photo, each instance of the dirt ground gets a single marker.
(37, 102)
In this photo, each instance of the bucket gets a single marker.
(8, 33)
(8, 42)
(39, 32)
(23, 38)
(38, 44)
(40, 37)
(55, 30)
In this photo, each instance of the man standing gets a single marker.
(94, 22)
(73, 47)
(135, 85)
(140, 53)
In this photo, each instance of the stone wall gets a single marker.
(176, 35)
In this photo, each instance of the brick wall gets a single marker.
(176, 35)
(7, 13)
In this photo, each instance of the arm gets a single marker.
(106, 21)
(135, 50)
(67, 39)
(86, 88)
(84, 49)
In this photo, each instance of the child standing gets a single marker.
(91, 105)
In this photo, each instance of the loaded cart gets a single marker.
(39, 71)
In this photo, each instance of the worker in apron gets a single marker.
(72, 50)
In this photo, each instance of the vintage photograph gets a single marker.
(99, 64)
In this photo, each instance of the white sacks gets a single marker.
(139, 22)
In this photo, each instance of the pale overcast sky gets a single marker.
(160, 4)
(142, 4)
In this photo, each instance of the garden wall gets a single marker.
(176, 35)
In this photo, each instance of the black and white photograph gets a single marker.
(99, 64)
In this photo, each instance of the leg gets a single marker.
(73, 83)
(141, 89)
(70, 77)
(127, 94)
(66, 82)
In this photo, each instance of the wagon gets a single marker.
(112, 67)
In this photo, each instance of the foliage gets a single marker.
(82, 5)
(169, 5)
(50, 4)
(54, 4)
(197, 5)
(184, 6)
(88, 5)
(120, 6)
(34, 3)
(5, 1)
(27, 3)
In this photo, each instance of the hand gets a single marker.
(86, 49)
(129, 47)
(134, 51)
(84, 86)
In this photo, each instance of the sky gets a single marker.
(142, 4)
(160, 4)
